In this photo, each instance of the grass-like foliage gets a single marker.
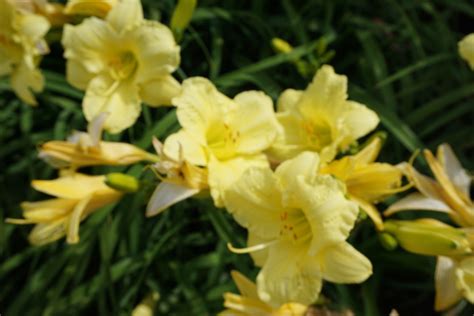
(402, 61)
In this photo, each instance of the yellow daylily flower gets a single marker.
(448, 194)
(466, 49)
(76, 196)
(21, 46)
(320, 119)
(220, 135)
(98, 8)
(298, 222)
(86, 149)
(119, 62)
(367, 181)
(249, 304)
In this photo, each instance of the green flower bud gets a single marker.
(122, 182)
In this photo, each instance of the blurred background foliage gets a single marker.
(401, 59)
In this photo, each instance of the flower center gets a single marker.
(295, 226)
(222, 141)
(319, 133)
(123, 66)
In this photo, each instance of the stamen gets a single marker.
(254, 248)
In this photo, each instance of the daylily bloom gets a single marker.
(21, 46)
(367, 181)
(86, 149)
(121, 61)
(76, 197)
(450, 194)
(466, 49)
(249, 304)
(298, 222)
(320, 119)
(98, 8)
(220, 136)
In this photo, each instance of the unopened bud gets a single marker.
(122, 182)
(182, 16)
(388, 241)
(429, 237)
(281, 46)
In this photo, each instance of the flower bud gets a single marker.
(429, 237)
(122, 182)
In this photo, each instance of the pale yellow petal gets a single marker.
(46, 233)
(224, 174)
(288, 100)
(125, 15)
(201, 107)
(447, 293)
(291, 138)
(342, 263)
(465, 278)
(359, 120)
(77, 74)
(119, 99)
(466, 49)
(98, 8)
(258, 257)
(183, 145)
(246, 287)
(453, 168)
(287, 174)
(254, 122)
(330, 215)
(76, 186)
(47, 210)
(33, 26)
(424, 184)
(24, 80)
(242, 305)
(374, 182)
(255, 202)
(369, 153)
(289, 275)
(326, 95)
(75, 220)
(155, 49)
(167, 194)
(417, 201)
(160, 91)
(88, 43)
(371, 211)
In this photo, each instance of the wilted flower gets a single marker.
(86, 149)
(21, 46)
(298, 222)
(76, 197)
(249, 304)
(121, 61)
(320, 119)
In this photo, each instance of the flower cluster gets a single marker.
(297, 179)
